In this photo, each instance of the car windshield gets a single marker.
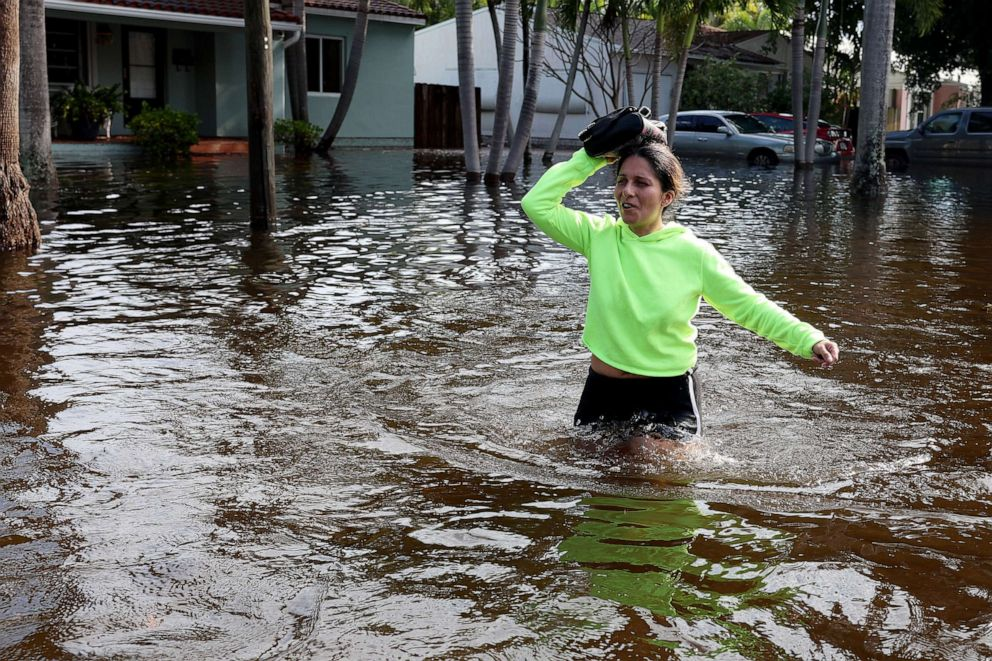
(746, 123)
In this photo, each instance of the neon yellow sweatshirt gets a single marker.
(645, 290)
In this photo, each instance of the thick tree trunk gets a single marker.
(798, 64)
(498, 43)
(35, 114)
(529, 102)
(816, 80)
(573, 67)
(659, 56)
(676, 96)
(466, 88)
(350, 77)
(19, 228)
(628, 62)
(504, 89)
(868, 177)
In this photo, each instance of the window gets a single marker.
(980, 122)
(684, 123)
(945, 124)
(708, 123)
(64, 44)
(325, 62)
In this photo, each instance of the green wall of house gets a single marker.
(381, 111)
(213, 87)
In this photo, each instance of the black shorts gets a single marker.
(662, 401)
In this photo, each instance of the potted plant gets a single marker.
(86, 108)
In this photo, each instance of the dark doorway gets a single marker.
(144, 69)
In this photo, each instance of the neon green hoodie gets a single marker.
(645, 290)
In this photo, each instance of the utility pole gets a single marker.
(261, 142)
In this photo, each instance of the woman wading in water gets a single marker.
(646, 278)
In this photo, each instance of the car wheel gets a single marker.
(895, 161)
(762, 157)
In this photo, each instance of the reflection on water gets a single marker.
(351, 438)
(683, 562)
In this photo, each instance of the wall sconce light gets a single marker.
(104, 35)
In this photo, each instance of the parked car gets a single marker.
(959, 136)
(734, 134)
(840, 137)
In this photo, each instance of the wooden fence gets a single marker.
(437, 119)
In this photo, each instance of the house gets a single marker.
(906, 109)
(190, 55)
(599, 88)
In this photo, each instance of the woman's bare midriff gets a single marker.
(599, 367)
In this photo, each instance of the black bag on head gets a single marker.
(611, 132)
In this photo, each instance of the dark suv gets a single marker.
(960, 136)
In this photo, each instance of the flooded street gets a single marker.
(352, 439)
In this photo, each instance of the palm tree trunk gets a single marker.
(628, 64)
(798, 64)
(659, 50)
(504, 90)
(350, 77)
(466, 88)
(35, 113)
(19, 229)
(573, 67)
(498, 43)
(676, 97)
(868, 178)
(529, 103)
(816, 80)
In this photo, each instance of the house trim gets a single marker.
(159, 15)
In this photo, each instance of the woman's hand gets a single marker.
(825, 353)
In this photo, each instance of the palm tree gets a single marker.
(798, 65)
(658, 58)
(529, 102)
(868, 178)
(350, 77)
(498, 44)
(680, 24)
(504, 89)
(816, 81)
(573, 67)
(19, 228)
(466, 88)
(35, 113)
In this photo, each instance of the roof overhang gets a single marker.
(384, 18)
(158, 15)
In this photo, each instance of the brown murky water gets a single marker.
(351, 439)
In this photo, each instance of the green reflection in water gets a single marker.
(680, 559)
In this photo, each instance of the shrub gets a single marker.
(301, 136)
(723, 85)
(165, 134)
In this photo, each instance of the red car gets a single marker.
(782, 123)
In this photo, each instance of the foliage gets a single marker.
(747, 15)
(300, 135)
(88, 105)
(929, 46)
(723, 85)
(164, 133)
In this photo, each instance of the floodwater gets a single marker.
(352, 439)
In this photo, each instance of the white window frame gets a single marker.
(320, 59)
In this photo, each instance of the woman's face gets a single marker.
(639, 195)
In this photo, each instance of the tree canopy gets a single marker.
(958, 39)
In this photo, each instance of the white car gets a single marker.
(735, 134)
